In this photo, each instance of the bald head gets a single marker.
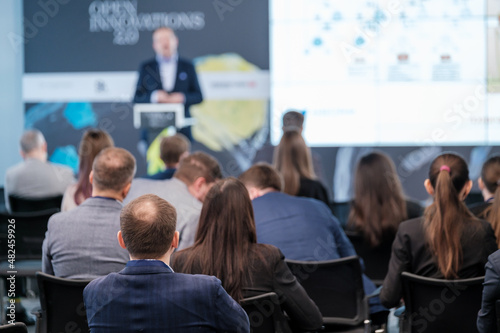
(148, 226)
(33, 145)
(113, 169)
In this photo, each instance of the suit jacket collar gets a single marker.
(143, 267)
(101, 202)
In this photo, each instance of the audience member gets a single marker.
(35, 177)
(172, 150)
(93, 141)
(448, 242)
(147, 296)
(487, 318)
(489, 185)
(226, 247)
(81, 243)
(292, 158)
(379, 205)
(302, 228)
(186, 191)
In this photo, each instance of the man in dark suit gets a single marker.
(147, 296)
(81, 243)
(168, 78)
(302, 228)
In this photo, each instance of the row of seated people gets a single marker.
(187, 190)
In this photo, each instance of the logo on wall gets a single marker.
(121, 18)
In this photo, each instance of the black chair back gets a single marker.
(62, 305)
(336, 286)
(436, 305)
(22, 205)
(17, 327)
(29, 230)
(376, 259)
(265, 315)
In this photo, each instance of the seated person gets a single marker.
(185, 191)
(448, 242)
(486, 318)
(302, 228)
(35, 177)
(292, 158)
(379, 205)
(93, 141)
(147, 296)
(172, 150)
(226, 247)
(489, 185)
(81, 243)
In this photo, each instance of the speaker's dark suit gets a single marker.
(186, 82)
(146, 296)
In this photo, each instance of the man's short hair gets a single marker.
(148, 226)
(113, 169)
(261, 176)
(31, 140)
(197, 165)
(164, 28)
(172, 148)
(293, 120)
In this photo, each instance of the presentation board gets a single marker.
(387, 72)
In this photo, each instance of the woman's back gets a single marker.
(268, 272)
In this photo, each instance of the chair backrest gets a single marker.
(22, 205)
(17, 327)
(265, 314)
(376, 259)
(62, 304)
(336, 286)
(436, 305)
(29, 230)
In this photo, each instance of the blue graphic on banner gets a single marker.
(66, 155)
(39, 112)
(80, 115)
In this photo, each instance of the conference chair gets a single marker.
(62, 307)
(265, 314)
(436, 305)
(22, 205)
(28, 231)
(336, 286)
(376, 260)
(14, 328)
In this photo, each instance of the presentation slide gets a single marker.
(387, 72)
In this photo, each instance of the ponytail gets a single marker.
(444, 219)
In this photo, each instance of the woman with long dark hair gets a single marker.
(379, 204)
(292, 158)
(489, 184)
(448, 242)
(226, 247)
(93, 141)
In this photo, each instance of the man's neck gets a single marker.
(36, 155)
(165, 258)
(107, 194)
(486, 194)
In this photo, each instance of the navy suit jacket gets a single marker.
(186, 82)
(147, 296)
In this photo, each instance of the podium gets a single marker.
(152, 119)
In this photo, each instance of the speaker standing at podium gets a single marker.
(168, 78)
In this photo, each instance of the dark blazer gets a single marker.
(487, 319)
(146, 296)
(410, 253)
(269, 272)
(186, 82)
